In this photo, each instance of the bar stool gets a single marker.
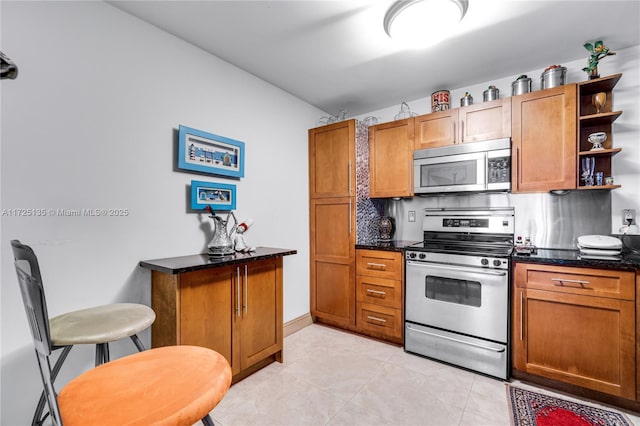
(96, 326)
(172, 385)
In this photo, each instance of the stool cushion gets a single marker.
(172, 385)
(100, 324)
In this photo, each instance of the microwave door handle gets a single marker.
(486, 170)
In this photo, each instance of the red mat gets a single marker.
(534, 409)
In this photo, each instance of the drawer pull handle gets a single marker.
(372, 265)
(440, 336)
(559, 282)
(376, 292)
(369, 317)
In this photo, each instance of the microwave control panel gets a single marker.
(498, 169)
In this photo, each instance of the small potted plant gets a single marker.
(598, 51)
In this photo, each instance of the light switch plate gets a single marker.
(412, 216)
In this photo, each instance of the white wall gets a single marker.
(91, 122)
(626, 129)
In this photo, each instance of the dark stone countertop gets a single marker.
(195, 262)
(392, 245)
(627, 261)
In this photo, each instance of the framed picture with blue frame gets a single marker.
(208, 153)
(220, 196)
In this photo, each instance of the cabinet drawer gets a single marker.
(379, 319)
(379, 291)
(379, 263)
(586, 281)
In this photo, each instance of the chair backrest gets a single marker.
(35, 306)
(33, 296)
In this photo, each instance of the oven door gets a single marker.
(462, 299)
(451, 173)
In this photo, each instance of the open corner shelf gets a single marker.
(589, 121)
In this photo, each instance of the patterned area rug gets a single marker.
(534, 409)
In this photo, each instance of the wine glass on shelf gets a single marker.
(588, 166)
(598, 100)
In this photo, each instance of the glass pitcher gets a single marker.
(221, 243)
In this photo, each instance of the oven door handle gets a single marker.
(458, 268)
(489, 348)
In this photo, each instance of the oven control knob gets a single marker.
(412, 255)
(422, 255)
(484, 262)
(497, 262)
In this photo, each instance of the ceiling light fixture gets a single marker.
(421, 22)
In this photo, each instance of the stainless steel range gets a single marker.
(457, 289)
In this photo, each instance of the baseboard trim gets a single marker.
(297, 324)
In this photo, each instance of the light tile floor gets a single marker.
(330, 377)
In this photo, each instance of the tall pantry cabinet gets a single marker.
(332, 211)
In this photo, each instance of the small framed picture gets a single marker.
(220, 196)
(208, 153)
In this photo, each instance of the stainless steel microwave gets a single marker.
(474, 166)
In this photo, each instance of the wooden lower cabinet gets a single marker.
(332, 225)
(235, 310)
(576, 326)
(379, 307)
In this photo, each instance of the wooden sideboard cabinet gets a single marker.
(234, 309)
(576, 325)
(379, 300)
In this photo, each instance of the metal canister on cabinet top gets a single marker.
(440, 101)
(521, 85)
(553, 76)
(491, 94)
(466, 100)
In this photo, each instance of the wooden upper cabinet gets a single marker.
(391, 159)
(473, 123)
(435, 129)
(332, 160)
(544, 140)
(485, 121)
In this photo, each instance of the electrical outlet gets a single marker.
(628, 214)
(412, 216)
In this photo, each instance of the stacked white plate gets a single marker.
(599, 246)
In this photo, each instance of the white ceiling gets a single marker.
(336, 54)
